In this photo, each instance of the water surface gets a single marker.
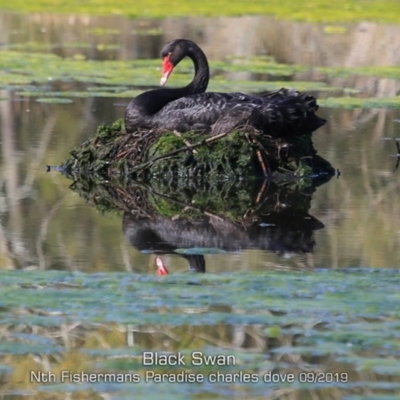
(358, 210)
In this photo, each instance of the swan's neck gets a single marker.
(201, 72)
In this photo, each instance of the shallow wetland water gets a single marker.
(311, 293)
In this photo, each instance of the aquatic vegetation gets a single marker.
(103, 31)
(335, 29)
(38, 47)
(381, 72)
(310, 322)
(310, 10)
(54, 100)
(33, 74)
(324, 294)
(355, 102)
(22, 68)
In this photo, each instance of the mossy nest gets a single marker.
(242, 154)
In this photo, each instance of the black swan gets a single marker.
(281, 113)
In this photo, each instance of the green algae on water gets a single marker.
(33, 74)
(355, 102)
(387, 11)
(54, 100)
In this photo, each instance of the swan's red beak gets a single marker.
(161, 268)
(167, 68)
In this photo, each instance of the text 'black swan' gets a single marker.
(281, 113)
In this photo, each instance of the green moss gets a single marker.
(168, 143)
(230, 156)
(108, 132)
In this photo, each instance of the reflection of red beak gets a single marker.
(161, 268)
(167, 68)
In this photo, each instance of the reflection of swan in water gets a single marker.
(286, 112)
(161, 267)
(284, 231)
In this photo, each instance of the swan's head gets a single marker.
(172, 54)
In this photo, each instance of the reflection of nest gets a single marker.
(241, 154)
(238, 202)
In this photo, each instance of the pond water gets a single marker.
(47, 226)
(358, 210)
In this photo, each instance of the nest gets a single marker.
(242, 154)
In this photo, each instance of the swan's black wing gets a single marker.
(195, 112)
(285, 112)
